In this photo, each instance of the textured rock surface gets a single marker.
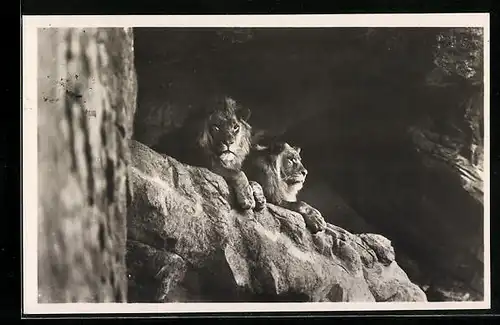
(87, 91)
(185, 243)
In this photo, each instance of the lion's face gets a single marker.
(292, 172)
(227, 135)
(278, 167)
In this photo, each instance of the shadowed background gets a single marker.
(390, 122)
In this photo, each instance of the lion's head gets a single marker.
(279, 169)
(225, 136)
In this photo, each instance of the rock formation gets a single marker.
(86, 103)
(187, 244)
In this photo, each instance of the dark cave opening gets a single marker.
(349, 97)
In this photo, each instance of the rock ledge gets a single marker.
(186, 244)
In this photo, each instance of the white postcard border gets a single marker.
(30, 175)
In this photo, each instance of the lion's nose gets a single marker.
(304, 172)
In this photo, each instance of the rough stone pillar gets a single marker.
(86, 101)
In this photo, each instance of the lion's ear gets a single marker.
(276, 147)
(298, 149)
(259, 147)
(244, 113)
(230, 102)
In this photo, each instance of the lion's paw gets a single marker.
(245, 198)
(314, 220)
(258, 195)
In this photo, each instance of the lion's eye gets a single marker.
(236, 127)
(290, 161)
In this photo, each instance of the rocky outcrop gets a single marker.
(186, 243)
(86, 103)
(440, 152)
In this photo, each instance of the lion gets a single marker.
(219, 139)
(278, 168)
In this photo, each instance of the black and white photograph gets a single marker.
(255, 163)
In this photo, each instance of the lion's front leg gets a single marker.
(312, 217)
(242, 189)
(258, 195)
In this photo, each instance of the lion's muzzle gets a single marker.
(298, 177)
(295, 179)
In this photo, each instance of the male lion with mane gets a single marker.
(219, 139)
(278, 168)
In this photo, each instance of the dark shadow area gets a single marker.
(389, 121)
